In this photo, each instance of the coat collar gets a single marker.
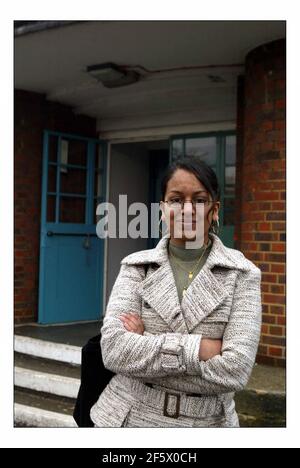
(203, 295)
(220, 255)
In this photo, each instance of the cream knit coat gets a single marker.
(223, 301)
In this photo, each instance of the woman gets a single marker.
(183, 337)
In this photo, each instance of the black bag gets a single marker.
(94, 379)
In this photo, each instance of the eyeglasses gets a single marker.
(179, 202)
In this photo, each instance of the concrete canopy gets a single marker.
(186, 67)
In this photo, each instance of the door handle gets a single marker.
(86, 244)
(70, 234)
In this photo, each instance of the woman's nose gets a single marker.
(188, 207)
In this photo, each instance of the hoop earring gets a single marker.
(159, 227)
(215, 226)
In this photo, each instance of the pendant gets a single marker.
(190, 275)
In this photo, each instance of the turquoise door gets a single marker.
(218, 150)
(71, 254)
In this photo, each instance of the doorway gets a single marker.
(136, 170)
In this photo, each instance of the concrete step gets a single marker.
(47, 379)
(49, 366)
(47, 349)
(36, 409)
(27, 416)
(45, 401)
(47, 383)
(46, 376)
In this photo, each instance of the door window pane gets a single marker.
(177, 149)
(73, 152)
(73, 181)
(72, 210)
(230, 159)
(229, 180)
(203, 148)
(230, 150)
(99, 186)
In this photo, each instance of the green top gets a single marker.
(183, 261)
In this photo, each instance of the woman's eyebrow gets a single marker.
(198, 191)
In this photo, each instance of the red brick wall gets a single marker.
(33, 114)
(261, 186)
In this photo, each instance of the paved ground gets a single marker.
(268, 379)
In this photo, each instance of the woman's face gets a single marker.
(185, 223)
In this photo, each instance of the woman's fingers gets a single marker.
(133, 321)
(135, 325)
(129, 320)
(127, 326)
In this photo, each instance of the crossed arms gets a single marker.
(171, 355)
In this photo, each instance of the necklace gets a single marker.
(190, 272)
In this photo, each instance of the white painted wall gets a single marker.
(128, 175)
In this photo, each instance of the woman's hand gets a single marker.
(209, 348)
(133, 322)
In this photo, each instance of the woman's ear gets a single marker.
(215, 215)
(162, 208)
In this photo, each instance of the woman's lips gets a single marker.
(189, 227)
(186, 225)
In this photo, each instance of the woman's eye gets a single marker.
(175, 200)
(200, 201)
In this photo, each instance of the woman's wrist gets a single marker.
(209, 348)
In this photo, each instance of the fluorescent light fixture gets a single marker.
(112, 76)
(216, 79)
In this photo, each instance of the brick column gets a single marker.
(260, 231)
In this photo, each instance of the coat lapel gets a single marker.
(159, 290)
(203, 295)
